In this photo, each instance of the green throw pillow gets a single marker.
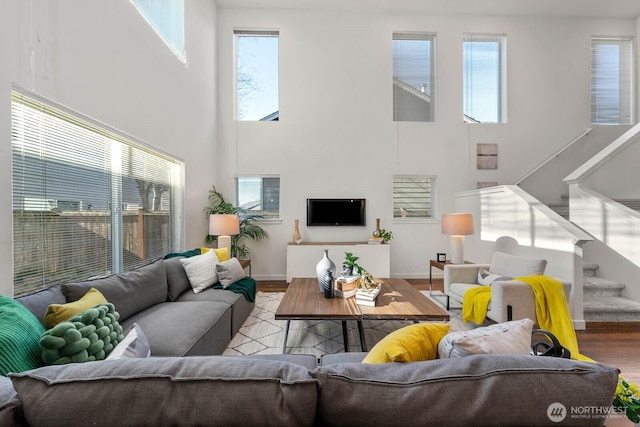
(20, 332)
(87, 336)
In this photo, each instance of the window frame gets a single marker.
(501, 97)
(239, 32)
(598, 116)
(432, 195)
(267, 217)
(72, 125)
(432, 80)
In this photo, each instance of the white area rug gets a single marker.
(262, 334)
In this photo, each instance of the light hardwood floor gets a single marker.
(615, 344)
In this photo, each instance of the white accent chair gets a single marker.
(510, 299)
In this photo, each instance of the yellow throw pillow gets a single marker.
(221, 253)
(412, 343)
(57, 313)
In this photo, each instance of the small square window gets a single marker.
(259, 194)
(413, 196)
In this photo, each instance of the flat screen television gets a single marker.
(336, 212)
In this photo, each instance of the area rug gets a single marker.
(262, 334)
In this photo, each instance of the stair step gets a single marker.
(589, 269)
(600, 287)
(611, 309)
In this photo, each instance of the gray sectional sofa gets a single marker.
(291, 390)
(159, 298)
(280, 389)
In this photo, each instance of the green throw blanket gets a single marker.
(246, 287)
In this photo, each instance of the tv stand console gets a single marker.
(302, 258)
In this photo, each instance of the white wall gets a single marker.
(103, 60)
(336, 136)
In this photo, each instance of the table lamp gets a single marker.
(224, 226)
(457, 225)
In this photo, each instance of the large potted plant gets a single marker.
(248, 228)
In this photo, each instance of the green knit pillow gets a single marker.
(87, 336)
(20, 332)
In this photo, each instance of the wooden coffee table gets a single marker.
(398, 300)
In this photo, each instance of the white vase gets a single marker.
(324, 265)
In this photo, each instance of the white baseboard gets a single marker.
(579, 325)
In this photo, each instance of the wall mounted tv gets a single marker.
(332, 212)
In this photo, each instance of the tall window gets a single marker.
(413, 196)
(414, 91)
(612, 80)
(484, 78)
(87, 201)
(166, 17)
(257, 75)
(259, 194)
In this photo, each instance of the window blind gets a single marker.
(612, 80)
(86, 201)
(414, 91)
(412, 196)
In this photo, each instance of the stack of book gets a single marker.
(367, 296)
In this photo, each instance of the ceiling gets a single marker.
(558, 8)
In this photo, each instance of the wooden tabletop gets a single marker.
(398, 300)
(303, 300)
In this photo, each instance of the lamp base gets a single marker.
(225, 242)
(457, 249)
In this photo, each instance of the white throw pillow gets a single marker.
(486, 278)
(201, 270)
(229, 272)
(134, 345)
(502, 338)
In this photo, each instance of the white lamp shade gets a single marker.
(458, 224)
(223, 225)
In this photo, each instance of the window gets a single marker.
(412, 196)
(166, 17)
(612, 80)
(484, 78)
(87, 201)
(259, 194)
(257, 75)
(414, 91)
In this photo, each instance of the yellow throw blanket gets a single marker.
(552, 309)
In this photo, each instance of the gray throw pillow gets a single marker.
(229, 272)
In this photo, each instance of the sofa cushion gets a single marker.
(134, 344)
(486, 277)
(87, 336)
(177, 280)
(201, 270)
(229, 272)
(57, 313)
(20, 334)
(130, 292)
(475, 390)
(170, 391)
(10, 405)
(38, 302)
(409, 344)
(185, 328)
(501, 338)
(512, 266)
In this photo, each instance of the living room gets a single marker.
(335, 136)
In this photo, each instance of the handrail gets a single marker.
(557, 153)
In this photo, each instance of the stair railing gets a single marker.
(556, 154)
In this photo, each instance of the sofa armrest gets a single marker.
(461, 273)
(519, 296)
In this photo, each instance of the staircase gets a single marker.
(603, 301)
(562, 207)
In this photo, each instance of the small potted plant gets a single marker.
(350, 264)
(385, 235)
